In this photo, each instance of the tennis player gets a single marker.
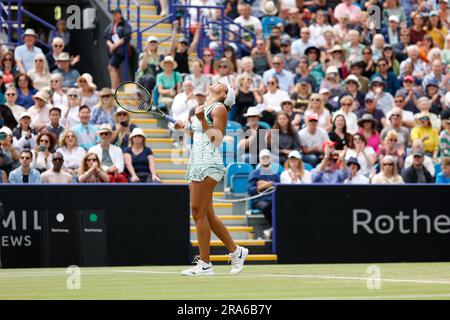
(205, 171)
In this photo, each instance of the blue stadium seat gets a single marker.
(307, 166)
(264, 125)
(233, 125)
(275, 167)
(236, 173)
(437, 169)
(228, 153)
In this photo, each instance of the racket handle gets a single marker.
(169, 118)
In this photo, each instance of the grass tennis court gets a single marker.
(345, 281)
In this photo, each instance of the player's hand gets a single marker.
(200, 112)
(180, 125)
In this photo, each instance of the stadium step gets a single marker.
(230, 220)
(168, 153)
(238, 232)
(174, 181)
(244, 243)
(218, 248)
(157, 133)
(159, 142)
(168, 163)
(145, 123)
(171, 173)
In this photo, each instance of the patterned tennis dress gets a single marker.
(205, 159)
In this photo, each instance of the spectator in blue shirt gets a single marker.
(327, 171)
(24, 173)
(389, 77)
(68, 74)
(270, 19)
(25, 91)
(86, 133)
(444, 176)
(26, 53)
(261, 179)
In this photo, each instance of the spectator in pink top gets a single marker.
(347, 7)
(367, 125)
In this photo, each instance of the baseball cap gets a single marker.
(324, 90)
(183, 40)
(286, 40)
(434, 13)
(377, 80)
(394, 18)
(433, 82)
(264, 153)
(328, 143)
(312, 117)
(418, 153)
(370, 96)
(303, 80)
(294, 154)
(409, 78)
(116, 10)
(6, 130)
(152, 38)
(353, 160)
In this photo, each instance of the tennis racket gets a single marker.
(136, 99)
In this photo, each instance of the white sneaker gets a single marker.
(200, 269)
(237, 259)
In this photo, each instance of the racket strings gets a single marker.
(130, 96)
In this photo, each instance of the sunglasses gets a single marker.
(58, 159)
(57, 46)
(276, 63)
(271, 82)
(407, 81)
(399, 100)
(369, 101)
(316, 100)
(346, 104)
(90, 160)
(44, 141)
(25, 158)
(105, 133)
(388, 164)
(393, 140)
(54, 81)
(7, 59)
(122, 114)
(72, 95)
(223, 67)
(38, 60)
(10, 94)
(82, 81)
(284, 45)
(395, 115)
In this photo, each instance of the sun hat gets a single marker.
(252, 111)
(152, 38)
(168, 59)
(29, 32)
(106, 92)
(332, 69)
(25, 114)
(394, 18)
(367, 117)
(41, 94)
(105, 128)
(137, 132)
(370, 96)
(268, 7)
(223, 61)
(353, 78)
(63, 56)
(89, 80)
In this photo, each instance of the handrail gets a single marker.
(36, 18)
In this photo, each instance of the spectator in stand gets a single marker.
(419, 66)
(87, 88)
(332, 81)
(317, 106)
(389, 78)
(339, 134)
(91, 170)
(290, 61)
(181, 50)
(245, 98)
(417, 146)
(104, 111)
(370, 108)
(288, 139)
(328, 172)
(8, 148)
(86, 133)
(262, 179)
(444, 137)
(58, 95)
(303, 73)
(229, 53)
(40, 111)
(149, 61)
(424, 106)
(60, 32)
(261, 56)
(389, 147)
(391, 33)
(347, 105)
(40, 74)
(356, 69)
(311, 139)
(318, 28)
(43, 152)
(55, 118)
(337, 59)
(354, 176)
(388, 173)
(432, 93)
(122, 129)
(8, 67)
(10, 111)
(247, 21)
(71, 111)
(346, 7)
(366, 155)
(270, 19)
(369, 65)
(183, 102)
(208, 62)
(271, 102)
(383, 100)
(299, 46)
(285, 78)
(57, 48)
(295, 172)
(25, 90)
(253, 134)
(24, 173)
(139, 160)
(401, 101)
(117, 36)
(417, 31)
(225, 69)
(71, 151)
(417, 173)
(56, 174)
(352, 88)
(377, 47)
(436, 29)
(200, 81)
(395, 124)
(110, 155)
(248, 69)
(400, 49)
(26, 53)
(24, 134)
(295, 117)
(444, 176)
(429, 136)
(168, 82)
(367, 124)
(69, 75)
(437, 76)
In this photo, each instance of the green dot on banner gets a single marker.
(93, 217)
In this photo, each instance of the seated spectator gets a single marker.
(347, 107)
(353, 48)
(295, 172)
(444, 137)
(8, 67)
(296, 118)
(417, 146)
(367, 125)
(339, 134)
(149, 61)
(300, 94)
(388, 77)
(291, 62)
(110, 155)
(432, 93)
(288, 139)
(91, 170)
(24, 173)
(389, 147)
(419, 67)
(444, 176)
(86, 133)
(104, 111)
(69, 75)
(245, 98)
(401, 102)
(139, 160)
(271, 102)
(224, 69)
(311, 139)
(303, 72)
(328, 172)
(71, 111)
(368, 64)
(393, 64)
(3, 176)
(24, 133)
(58, 47)
(317, 106)
(356, 69)
(383, 100)
(122, 128)
(250, 143)
(87, 88)
(9, 152)
(40, 111)
(395, 123)
(337, 54)
(58, 95)
(354, 176)
(168, 82)
(285, 78)
(427, 134)
(71, 151)
(332, 81)
(260, 180)
(183, 102)
(56, 174)
(60, 32)
(40, 75)
(371, 108)
(26, 52)
(25, 90)
(11, 97)
(365, 155)
(200, 81)
(54, 126)
(247, 67)
(352, 88)
(424, 106)
(43, 152)
(388, 173)
(417, 173)
(314, 65)
(436, 29)
(180, 49)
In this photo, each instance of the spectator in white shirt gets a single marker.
(40, 111)
(285, 78)
(295, 172)
(311, 140)
(351, 119)
(365, 155)
(73, 154)
(59, 96)
(355, 177)
(183, 102)
(272, 101)
(56, 174)
(319, 27)
(419, 66)
(70, 111)
(299, 46)
(249, 22)
(40, 73)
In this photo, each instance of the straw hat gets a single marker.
(63, 56)
(137, 132)
(105, 128)
(24, 114)
(353, 78)
(29, 32)
(268, 7)
(223, 61)
(41, 95)
(106, 92)
(252, 111)
(168, 59)
(89, 80)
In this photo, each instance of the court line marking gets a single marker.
(400, 296)
(323, 277)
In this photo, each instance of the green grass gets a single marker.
(343, 281)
